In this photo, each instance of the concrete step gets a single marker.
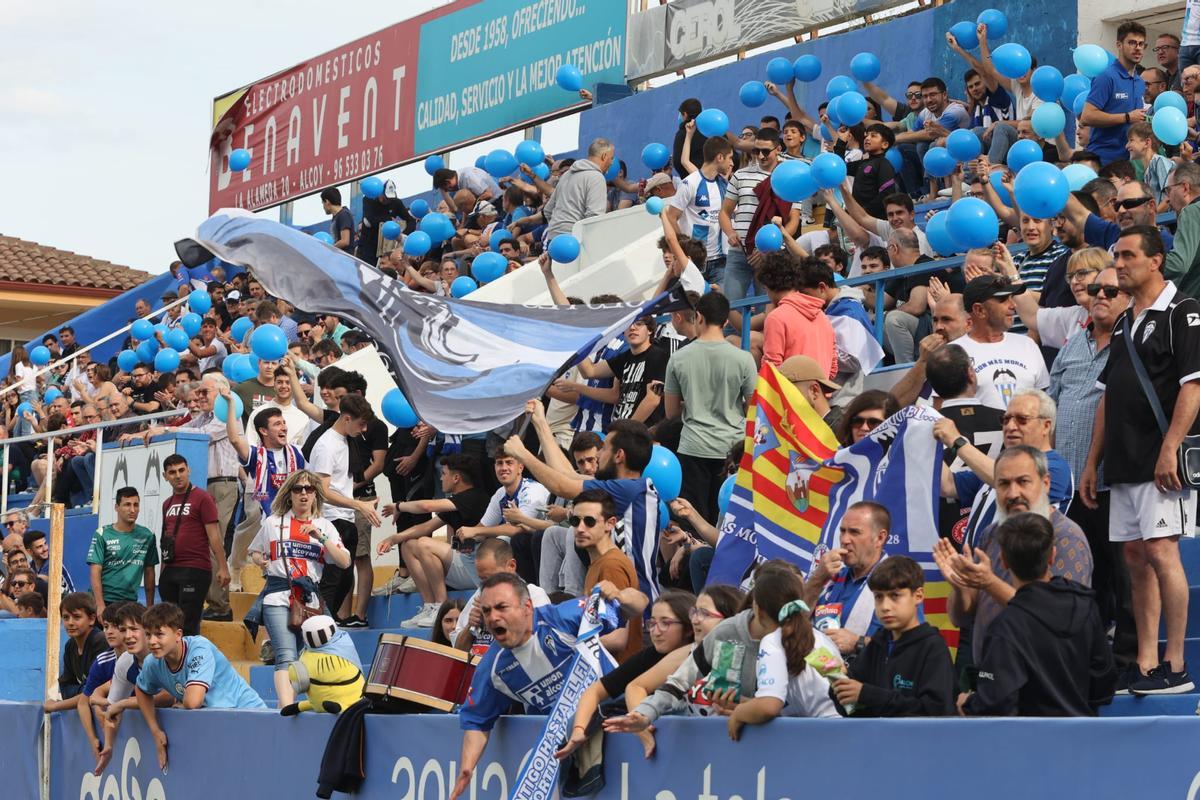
(252, 579)
(1153, 706)
(231, 638)
(240, 602)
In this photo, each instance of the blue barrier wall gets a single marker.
(909, 48)
(22, 662)
(259, 754)
(20, 727)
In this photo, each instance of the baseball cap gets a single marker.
(657, 180)
(989, 287)
(234, 295)
(804, 368)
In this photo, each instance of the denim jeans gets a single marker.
(714, 271)
(84, 467)
(739, 275)
(286, 644)
(1004, 136)
(912, 170)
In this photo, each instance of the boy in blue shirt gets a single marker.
(188, 671)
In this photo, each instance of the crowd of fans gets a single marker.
(1062, 499)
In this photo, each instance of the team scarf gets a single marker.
(262, 471)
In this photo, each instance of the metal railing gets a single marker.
(50, 436)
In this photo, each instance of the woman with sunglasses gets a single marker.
(864, 414)
(669, 631)
(294, 544)
(1053, 326)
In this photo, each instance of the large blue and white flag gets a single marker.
(466, 366)
(591, 661)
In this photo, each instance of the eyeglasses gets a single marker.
(1080, 274)
(1134, 44)
(304, 488)
(1020, 419)
(1162, 48)
(1110, 292)
(1132, 202)
(763, 152)
(664, 624)
(871, 422)
(695, 614)
(588, 522)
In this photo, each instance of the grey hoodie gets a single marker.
(580, 193)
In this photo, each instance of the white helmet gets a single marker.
(318, 631)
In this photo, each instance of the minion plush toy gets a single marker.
(328, 669)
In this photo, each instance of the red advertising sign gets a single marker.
(337, 117)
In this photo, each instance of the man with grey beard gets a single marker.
(981, 584)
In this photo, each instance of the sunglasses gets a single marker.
(1095, 289)
(871, 422)
(19, 584)
(588, 522)
(1132, 202)
(304, 488)
(763, 152)
(912, 95)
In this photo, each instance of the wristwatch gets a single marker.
(1126, 117)
(958, 444)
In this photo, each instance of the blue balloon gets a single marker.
(419, 208)
(1090, 59)
(371, 187)
(240, 327)
(397, 410)
(146, 351)
(972, 223)
(239, 159)
(654, 205)
(230, 365)
(200, 302)
(1012, 60)
(529, 152)
(127, 360)
(806, 68)
(964, 32)
(500, 163)
(269, 342)
(964, 145)
(1047, 83)
(865, 67)
(391, 230)
(614, 170)
(1048, 120)
(723, 496)
(177, 339)
(542, 171)
(323, 236)
(779, 70)
(479, 162)
(656, 155)
(754, 93)
(828, 170)
(23, 408)
(894, 158)
(161, 327)
(852, 108)
(221, 407)
(1077, 175)
(768, 238)
(435, 225)
(434, 163)
(39, 356)
(1170, 125)
(564, 248)
(831, 111)
(938, 162)
(839, 84)
(939, 236)
(244, 368)
(1170, 100)
(793, 181)
(1042, 190)
(462, 286)
(190, 323)
(52, 394)
(664, 515)
(166, 360)
(1023, 152)
(488, 266)
(141, 329)
(996, 22)
(996, 179)
(665, 471)
(1079, 102)
(712, 122)
(1073, 84)
(569, 77)
(498, 237)
(417, 244)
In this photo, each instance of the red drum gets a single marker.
(412, 674)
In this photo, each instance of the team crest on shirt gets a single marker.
(1005, 382)
(178, 688)
(550, 644)
(1149, 329)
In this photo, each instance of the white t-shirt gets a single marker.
(1006, 367)
(530, 497)
(297, 424)
(803, 695)
(287, 549)
(1024, 103)
(122, 687)
(536, 593)
(1055, 325)
(208, 362)
(331, 456)
(25, 376)
(883, 229)
(700, 201)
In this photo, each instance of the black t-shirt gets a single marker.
(615, 682)
(1168, 341)
(695, 155)
(75, 664)
(874, 179)
(983, 427)
(469, 506)
(635, 373)
(901, 288)
(1056, 291)
(143, 394)
(362, 448)
(311, 442)
(343, 220)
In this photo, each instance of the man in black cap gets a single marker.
(1004, 362)
(173, 315)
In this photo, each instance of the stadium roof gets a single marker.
(31, 263)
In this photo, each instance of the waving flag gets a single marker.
(466, 367)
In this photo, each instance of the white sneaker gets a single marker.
(397, 584)
(424, 617)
